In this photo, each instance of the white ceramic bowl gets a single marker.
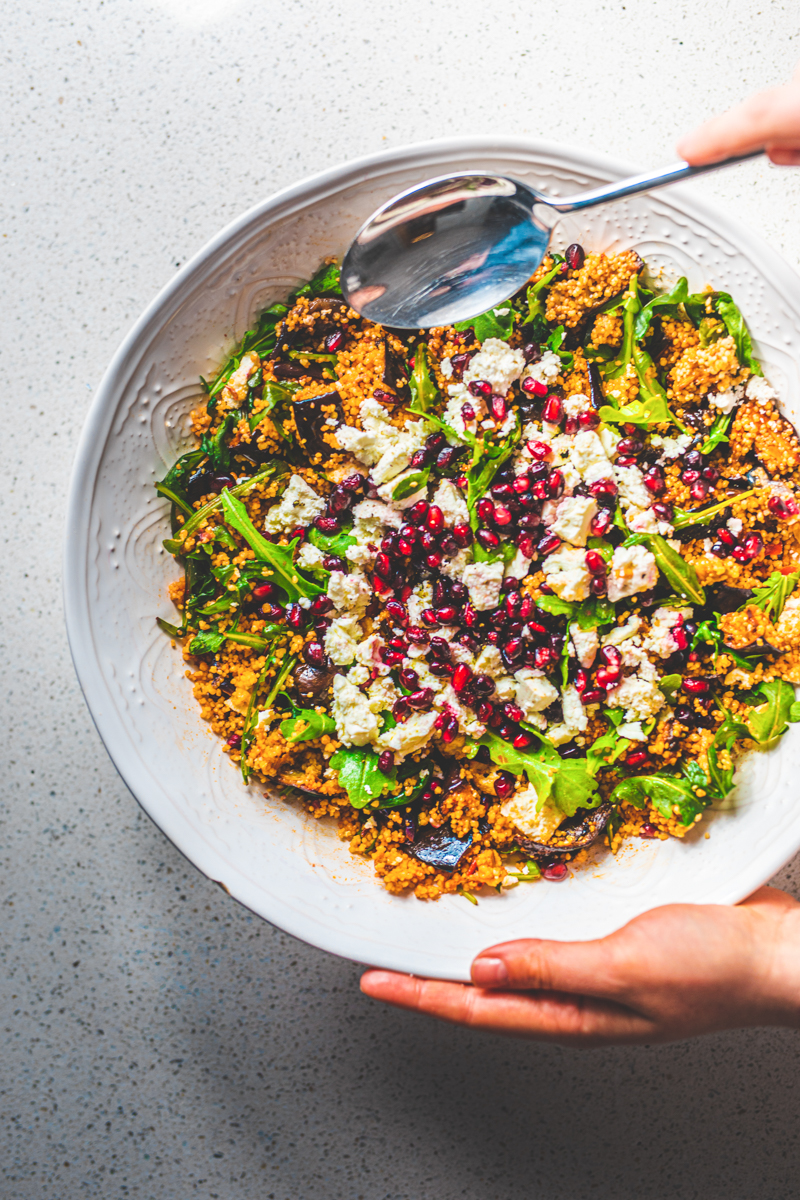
(284, 866)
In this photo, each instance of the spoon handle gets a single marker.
(642, 183)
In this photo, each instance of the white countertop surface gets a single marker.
(159, 1041)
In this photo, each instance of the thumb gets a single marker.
(587, 968)
(768, 118)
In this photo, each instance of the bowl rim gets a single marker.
(88, 456)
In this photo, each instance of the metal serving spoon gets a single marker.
(456, 246)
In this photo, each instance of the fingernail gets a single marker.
(489, 972)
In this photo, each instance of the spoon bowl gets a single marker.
(455, 246)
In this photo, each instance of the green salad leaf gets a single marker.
(360, 775)
(680, 574)
(718, 433)
(667, 300)
(767, 722)
(536, 306)
(566, 781)
(671, 795)
(279, 559)
(683, 518)
(496, 323)
(305, 725)
(423, 389)
(772, 595)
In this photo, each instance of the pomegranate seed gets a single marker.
(521, 741)
(533, 387)
(726, 536)
(427, 540)
(352, 483)
(513, 649)
(690, 476)
(418, 512)
(513, 601)
(461, 482)
(440, 647)
(333, 341)
(622, 461)
(696, 687)
(502, 515)
(480, 388)
(314, 654)
(393, 658)
(753, 544)
(571, 426)
(487, 539)
(513, 712)
(460, 362)
(332, 562)
(595, 562)
(435, 519)
(434, 561)
(711, 474)
(664, 512)
(539, 450)
(440, 721)
(593, 696)
(294, 616)
(447, 614)
(654, 481)
(385, 761)
(588, 419)
(699, 491)
(606, 678)
(398, 643)
(467, 413)
(646, 830)
(503, 491)
(553, 410)
(603, 487)
(383, 566)
(526, 546)
(499, 408)
(420, 637)
(421, 700)
(555, 873)
(575, 256)
(409, 679)
(340, 500)
(405, 547)
(544, 656)
(234, 741)
(461, 677)
(635, 758)
(321, 605)
(548, 544)
(469, 616)
(485, 510)
(680, 638)
(264, 590)
(485, 711)
(601, 522)
(526, 608)
(504, 784)
(629, 446)
(581, 680)
(428, 617)
(401, 709)
(540, 489)
(782, 506)
(598, 585)
(327, 524)
(555, 484)
(462, 534)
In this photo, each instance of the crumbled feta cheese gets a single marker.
(610, 439)
(237, 384)
(356, 724)
(632, 730)
(489, 662)
(371, 516)
(396, 456)
(453, 416)
(411, 735)
(519, 565)
(585, 642)
(380, 443)
(572, 709)
(382, 694)
(759, 390)
(660, 640)
(368, 653)
(446, 367)
(349, 593)
(573, 405)
(574, 519)
(671, 447)
(631, 486)
(468, 723)
(622, 632)
(727, 401)
(341, 638)
(497, 363)
(533, 693)
(309, 557)
(644, 520)
(588, 453)
(505, 687)
(546, 370)
(534, 820)
(735, 525)
(639, 697)
(567, 574)
(299, 505)
(455, 567)
(358, 675)
(483, 580)
(421, 598)
(633, 569)
(451, 502)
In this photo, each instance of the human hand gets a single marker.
(770, 119)
(673, 972)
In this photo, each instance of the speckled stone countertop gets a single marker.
(159, 1041)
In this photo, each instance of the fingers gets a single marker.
(768, 119)
(556, 1017)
